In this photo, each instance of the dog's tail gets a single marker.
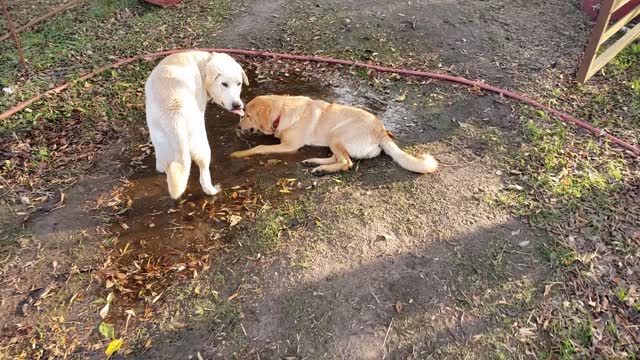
(423, 164)
(178, 170)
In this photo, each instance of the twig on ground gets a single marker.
(384, 343)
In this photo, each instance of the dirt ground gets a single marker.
(373, 263)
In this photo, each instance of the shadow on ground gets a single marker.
(396, 301)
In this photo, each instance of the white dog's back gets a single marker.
(176, 99)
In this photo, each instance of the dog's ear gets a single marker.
(244, 78)
(264, 113)
(211, 72)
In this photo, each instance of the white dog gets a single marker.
(177, 92)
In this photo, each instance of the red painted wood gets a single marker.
(164, 3)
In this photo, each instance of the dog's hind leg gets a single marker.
(201, 154)
(313, 162)
(203, 163)
(342, 161)
(163, 154)
(180, 164)
(161, 146)
(177, 177)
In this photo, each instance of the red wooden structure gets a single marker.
(605, 34)
(592, 7)
(164, 3)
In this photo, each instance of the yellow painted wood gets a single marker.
(618, 4)
(591, 62)
(602, 22)
(619, 24)
(614, 49)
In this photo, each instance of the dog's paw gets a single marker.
(236, 154)
(212, 190)
(307, 163)
(318, 172)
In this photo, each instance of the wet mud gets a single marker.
(157, 241)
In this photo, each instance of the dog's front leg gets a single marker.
(266, 149)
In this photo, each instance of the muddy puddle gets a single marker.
(158, 241)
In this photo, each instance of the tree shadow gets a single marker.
(352, 311)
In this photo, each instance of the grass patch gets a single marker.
(579, 190)
(56, 139)
(628, 58)
(62, 131)
(273, 224)
(94, 34)
(559, 178)
(106, 9)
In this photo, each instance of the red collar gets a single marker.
(276, 122)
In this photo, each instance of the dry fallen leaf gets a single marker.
(385, 237)
(113, 347)
(399, 307)
(547, 289)
(107, 330)
(104, 311)
(155, 299)
(235, 294)
(179, 325)
(526, 333)
(234, 220)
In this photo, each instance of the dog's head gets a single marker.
(257, 117)
(223, 80)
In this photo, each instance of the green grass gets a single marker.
(83, 120)
(577, 188)
(97, 110)
(55, 43)
(85, 38)
(303, 260)
(105, 9)
(628, 58)
(273, 224)
(559, 178)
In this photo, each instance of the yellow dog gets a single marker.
(349, 133)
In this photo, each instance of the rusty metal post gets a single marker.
(12, 30)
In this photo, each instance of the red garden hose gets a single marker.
(565, 117)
